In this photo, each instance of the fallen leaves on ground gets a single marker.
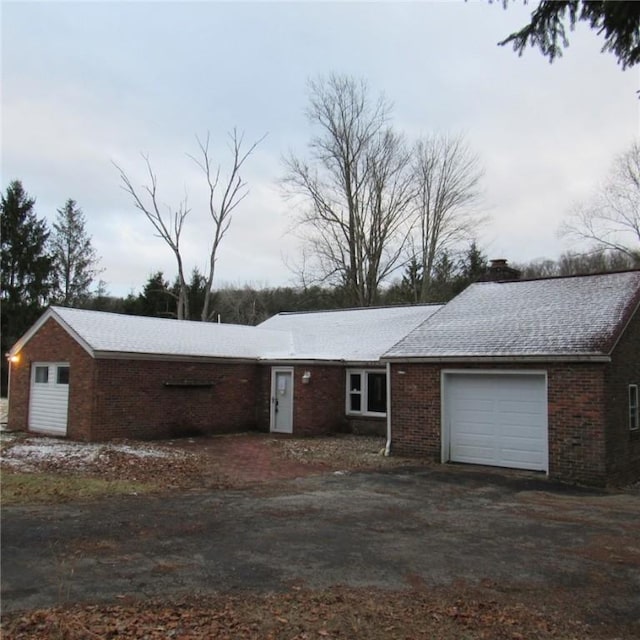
(468, 613)
(215, 462)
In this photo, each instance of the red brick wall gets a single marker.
(318, 407)
(577, 423)
(367, 426)
(53, 344)
(415, 410)
(263, 398)
(577, 415)
(623, 445)
(132, 400)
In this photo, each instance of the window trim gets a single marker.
(363, 392)
(634, 408)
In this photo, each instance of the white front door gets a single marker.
(282, 400)
(49, 397)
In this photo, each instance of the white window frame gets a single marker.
(634, 408)
(364, 392)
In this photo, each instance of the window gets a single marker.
(366, 392)
(63, 375)
(634, 411)
(42, 375)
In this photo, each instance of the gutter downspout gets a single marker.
(387, 448)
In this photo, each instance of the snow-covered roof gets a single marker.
(103, 333)
(352, 335)
(357, 335)
(578, 316)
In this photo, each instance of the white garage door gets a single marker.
(49, 397)
(497, 419)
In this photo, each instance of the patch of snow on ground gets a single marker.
(27, 454)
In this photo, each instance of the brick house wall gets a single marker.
(622, 444)
(318, 407)
(367, 426)
(53, 344)
(119, 398)
(577, 415)
(263, 398)
(147, 399)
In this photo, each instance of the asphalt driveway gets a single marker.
(389, 529)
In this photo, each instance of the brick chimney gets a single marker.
(498, 271)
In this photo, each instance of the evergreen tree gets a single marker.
(156, 299)
(75, 257)
(27, 268)
(471, 266)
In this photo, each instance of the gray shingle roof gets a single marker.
(573, 316)
(112, 332)
(357, 335)
(351, 335)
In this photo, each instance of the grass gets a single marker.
(41, 488)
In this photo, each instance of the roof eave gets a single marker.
(50, 313)
(175, 357)
(573, 357)
(309, 361)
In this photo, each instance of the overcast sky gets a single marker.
(85, 84)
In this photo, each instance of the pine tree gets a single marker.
(26, 266)
(75, 257)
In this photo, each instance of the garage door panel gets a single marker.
(497, 420)
(470, 428)
(476, 455)
(517, 407)
(471, 410)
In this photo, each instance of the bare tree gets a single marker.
(447, 177)
(169, 224)
(234, 191)
(354, 194)
(611, 219)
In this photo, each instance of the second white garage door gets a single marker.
(497, 419)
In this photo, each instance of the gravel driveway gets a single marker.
(389, 529)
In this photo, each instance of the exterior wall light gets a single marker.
(306, 376)
(13, 358)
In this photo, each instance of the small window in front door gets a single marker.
(63, 375)
(42, 375)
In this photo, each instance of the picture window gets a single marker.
(366, 392)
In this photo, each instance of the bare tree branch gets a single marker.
(447, 178)
(610, 220)
(354, 194)
(235, 190)
(168, 226)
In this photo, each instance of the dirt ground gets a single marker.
(308, 547)
(222, 462)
